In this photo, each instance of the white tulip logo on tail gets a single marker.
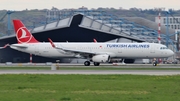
(23, 35)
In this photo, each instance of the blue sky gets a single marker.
(62, 4)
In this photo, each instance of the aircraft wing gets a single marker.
(70, 50)
(76, 51)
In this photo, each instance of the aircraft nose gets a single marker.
(171, 53)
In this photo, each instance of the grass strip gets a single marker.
(44, 87)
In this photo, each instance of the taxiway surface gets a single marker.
(100, 72)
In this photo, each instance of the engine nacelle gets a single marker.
(101, 58)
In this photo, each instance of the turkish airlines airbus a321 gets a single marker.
(93, 52)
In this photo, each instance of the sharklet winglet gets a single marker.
(51, 42)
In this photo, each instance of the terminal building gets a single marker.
(172, 22)
(81, 26)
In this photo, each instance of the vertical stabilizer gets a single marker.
(22, 33)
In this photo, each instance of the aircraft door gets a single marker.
(36, 50)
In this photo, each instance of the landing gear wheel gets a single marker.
(86, 63)
(96, 63)
(155, 63)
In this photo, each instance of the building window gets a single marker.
(164, 20)
(172, 26)
(170, 20)
(174, 20)
(177, 20)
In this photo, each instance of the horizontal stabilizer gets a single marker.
(4, 46)
(18, 46)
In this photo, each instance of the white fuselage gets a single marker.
(114, 50)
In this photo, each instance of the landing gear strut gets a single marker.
(123, 61)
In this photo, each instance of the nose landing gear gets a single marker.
(155, 62)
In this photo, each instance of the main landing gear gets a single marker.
(155, 63)
(87, 63)
(96, 63)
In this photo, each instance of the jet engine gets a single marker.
(101, 58)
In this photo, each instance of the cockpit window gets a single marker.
(163, 48)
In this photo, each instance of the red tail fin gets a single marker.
(22, 33)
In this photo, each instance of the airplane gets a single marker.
(93, 52)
